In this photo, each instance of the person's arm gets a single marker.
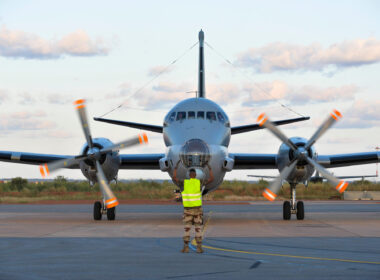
(175, 179)
(211, 175)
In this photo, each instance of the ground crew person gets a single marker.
(192, 204)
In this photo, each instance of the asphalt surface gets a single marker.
(337, 240)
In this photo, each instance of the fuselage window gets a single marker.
(181, 116)
(200, 115)
(211, 116)
(191, 115)
(220, 117)
(172, 117)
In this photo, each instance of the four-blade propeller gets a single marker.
(93, 155)
(301, 154)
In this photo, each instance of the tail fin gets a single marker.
(201, 75)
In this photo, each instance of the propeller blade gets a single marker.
(140, 139)
(109, 197)
(334, 116)
(46, 168)
(271, 192)
(341, 185)
(263, 120)
(81, 107)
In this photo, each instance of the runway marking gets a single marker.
(287, 256)
(194, 243)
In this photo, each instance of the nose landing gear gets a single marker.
(99, 210)
(292, 207)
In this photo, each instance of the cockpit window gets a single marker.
(200, 115)
(191, 115)
(171, 117)
(220, 117)
(181, 116)
(211, 116)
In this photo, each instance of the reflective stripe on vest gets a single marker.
(192, 195)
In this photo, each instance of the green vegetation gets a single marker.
(19, 190)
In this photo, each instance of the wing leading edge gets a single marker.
(32, 158)
(131, 161)
(269, 161)
(330, 161)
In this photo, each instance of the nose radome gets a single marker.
(195, 153)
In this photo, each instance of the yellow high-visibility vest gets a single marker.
(192, 195)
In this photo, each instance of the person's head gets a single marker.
(193, 173)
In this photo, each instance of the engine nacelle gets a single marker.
(110, 161)
(303, 171)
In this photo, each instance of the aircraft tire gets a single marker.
(300, 210)
(111, 215)
(97, 211)
(286, 212)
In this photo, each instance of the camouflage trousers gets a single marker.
(193, 216)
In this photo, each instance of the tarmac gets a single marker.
(337, 240)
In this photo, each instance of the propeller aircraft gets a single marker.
(197, 133)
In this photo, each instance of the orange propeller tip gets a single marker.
(268, 194)
(145, 137)
(262, 115)
(79, 101)
(342, 186)
(262, 119)
(44, 170)
(336, 114)
(113, 202)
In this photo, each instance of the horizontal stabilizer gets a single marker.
(251, 127)
(149, 127)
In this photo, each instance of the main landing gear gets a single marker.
(291, 207)
(99, 210)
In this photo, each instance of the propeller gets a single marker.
(301, 154)
(93, 155)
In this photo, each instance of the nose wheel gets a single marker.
(293, 207)
(99, 210)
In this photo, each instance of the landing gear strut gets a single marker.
(99, 210)
(293, 207)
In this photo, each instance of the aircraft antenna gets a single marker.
(254, 84)
(201, 71)
(151, 80)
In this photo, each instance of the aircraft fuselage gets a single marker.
(197, 133)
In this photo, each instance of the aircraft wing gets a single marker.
(254, 161)
(268, 161)
(141, 161)
(130, 161)
(330, 161)
(251, 127)
(149, 127)
(32, 158)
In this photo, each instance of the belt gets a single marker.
(196, 207)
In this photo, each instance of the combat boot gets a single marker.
(199, 248)
(185, 247)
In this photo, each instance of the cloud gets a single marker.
(158, 70)
(223, 94)
(312, 94)
(362, 114)
(25, 121)
(266, 92)
(163, 94)
(19, 44)
(59, 99)
(287, 57)
(26, 98)
(4, 96)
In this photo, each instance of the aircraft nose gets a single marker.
(195, 153)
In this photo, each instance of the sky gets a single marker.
(285, 58)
